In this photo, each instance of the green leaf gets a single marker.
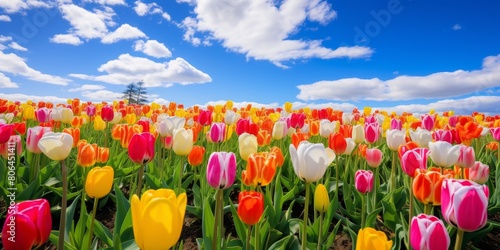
(238, 224)
(101, 232)
(281, 244)
(54, 239)
(370, 219)
(208, 224)
(70, 214)
(389, 214)
(122, 208)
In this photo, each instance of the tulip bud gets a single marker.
(374, 157)
(247, 144)
(479, 172)
(427, 186)
(443, 154)
(250, 207)
(428, 232)
(395, 138)
(363, 181)
(99, 182)
(30, 221)
(56, 146)
(182, 141)
(221, 169)
(358, 133)
(337, 143)
(310, 160)
(414, 159)
(141, 148)
(467, 157)
(321, 199)
(195, 157)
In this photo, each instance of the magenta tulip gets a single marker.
(363, 181)
(205, 117)
(495, 132)
(464, 204)
(442, 135)
(90, 110)
(297, 120)
(427, 232)
(218, 132)
(6, 131)
(428, 122)
(28, 224)
(414, 159)
(141, 148)
(396, 124)
(221, 169)
(372, 132)
(42, 114)
(242, 126)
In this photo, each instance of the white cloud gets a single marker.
(5, 82)
(108, 2)
(16, 46)
(84, 23)
(87, 87)
(127, 69)
(457, 27)
(124, 32)
(66, 39)
(143, 9)
(24, 98)
(437, 85)
(12, 6)
(102, 95)
(261, 30)
(11, 63)
(152, 48)
(241, 104)
(5, 18)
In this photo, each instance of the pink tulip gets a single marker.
(372, 132)
(218, 132)
(414, 159)
(42, 114)
(28, 224)
(7, 149)
(205, 117)
(496, 133)
(453, 120)
(467, 157)
(141, 148)
(464, 204)
(168, 141)
(396, 124)
(374, 157)
(428, 232)
(370, 119)
(221, 169)
(442, 135)
(34, 135)
(90, 110)
(6, 131)
(428, 122)
(363, 181)
(479, 172)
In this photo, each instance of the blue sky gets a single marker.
(395, 55)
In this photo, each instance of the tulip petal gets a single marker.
(163, 222)
(21, 241)
(137, 221)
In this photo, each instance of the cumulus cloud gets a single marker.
(437, 85)
(66, 39)
(5, 82)
(128, 69)
(263, 31)
(101, 95)
(13, 64)
(87, 24)
(108, 2)
(124, 32)
(24, 98)
(87, 87)
(5, 18)
(12, 6)
(143, 9)
(152, 48)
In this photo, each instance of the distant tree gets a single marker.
(135, 93)
(141, 93)
(130, 93)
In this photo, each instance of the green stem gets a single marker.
(337, 174)
(218, 220)
(393, 171)
(428, 209)
(257, 236)
(459, 239)
(64, 198)
(179, 175)
(375, 187)
(249, 235)
(410, 212)
(139, 181)
(94, 210)
(306, 211)
(363, 210)
(320, 240)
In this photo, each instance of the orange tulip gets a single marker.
(468, 129)
(263, 138)
(427, 186)
(337, 143)
(102, 155)
(260, 170)
(492, 146)
(280, 159)
(196, 155)
(297, 137)
(313, 127)
(86, 156)
(346, 130)
(250, 207)
(75, 133)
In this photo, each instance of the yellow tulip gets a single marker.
(367, 111)
(369, 238)
(99, 123)
(229, 104)
(29, 112)
(131, 119)
(288, 107)
(321, 199)
(99, 181)
(157, 218)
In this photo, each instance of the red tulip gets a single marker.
(297, 120)
(141, 148)
(27, 225)
(107, 113)
(6, 131)
(195, 156)
(250, 207)
(337, 143)
(205, 117)
(428, 232)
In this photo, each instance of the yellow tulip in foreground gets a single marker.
(157, 218)
(99, 181)
(369, 238)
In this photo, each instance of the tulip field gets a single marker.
(83, 175)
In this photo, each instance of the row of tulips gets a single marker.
(423, 179)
